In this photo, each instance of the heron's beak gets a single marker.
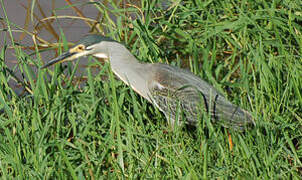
(67, 56)
(70, 55)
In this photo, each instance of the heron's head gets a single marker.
(94, 45)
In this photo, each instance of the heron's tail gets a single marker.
(232, 116)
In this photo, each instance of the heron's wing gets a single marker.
(175, 102)
(177, 92)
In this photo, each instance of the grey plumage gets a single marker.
(169, 88)
(177, 89)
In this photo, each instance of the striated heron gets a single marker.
(167, 87)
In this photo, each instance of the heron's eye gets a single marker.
(81, 48)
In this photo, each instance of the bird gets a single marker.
(171, 89)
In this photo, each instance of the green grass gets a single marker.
(249, 50)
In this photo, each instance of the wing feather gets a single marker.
(183, 93)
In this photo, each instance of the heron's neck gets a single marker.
(121, 58)
(128, 69)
